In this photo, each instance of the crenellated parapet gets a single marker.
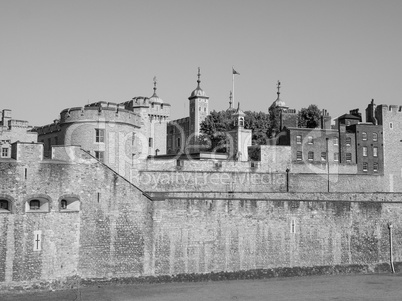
(100, 111)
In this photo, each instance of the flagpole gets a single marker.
(233, 89)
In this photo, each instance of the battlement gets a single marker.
(390, 108)
(104, 111)
(154, 108)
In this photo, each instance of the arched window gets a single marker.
(69, 203)
(34, 205)
(37, 204)
(4, 205)
(63, 204)
(241, 121)
(375, 136)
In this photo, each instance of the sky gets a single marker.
(336, 54)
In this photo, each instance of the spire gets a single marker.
(155, 81)
(278, 87)
(198, 92)
(198, 80)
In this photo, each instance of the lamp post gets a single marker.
(391, 257)
(327, 146)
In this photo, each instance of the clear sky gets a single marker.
(335, 54)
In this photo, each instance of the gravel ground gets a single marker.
(340, 287)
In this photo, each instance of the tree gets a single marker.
(215, 126)
(214, 129)
(309, 117)
(259, 123)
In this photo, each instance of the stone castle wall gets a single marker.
(120, 231)
(106, 236)
(210, 233)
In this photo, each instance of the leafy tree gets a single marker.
(215, 126)
(214, 129)
(259, 123)
(309, 117)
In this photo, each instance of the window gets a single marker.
(391, 125)
(199, 108)
(299, 156)
(37, 241)
(34, 205)
(348, 157)
(375, 167)
(4, 205)
(63, 204)
(364, 151)
(375, 151)
(292, 226)
(336, 141)
(364, 136)
(205, 109)
(310, 156)
(348, 141)
(100, 155)
(336, 156)
(375, 137)
(323, 156)
(99, 135)
(69, 204)
(310, 140)
(150, 142)
(178, 142)
(49, 143)
(4, 152)
(37, 205)
(298, 139)
(365, 166)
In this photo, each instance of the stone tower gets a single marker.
(198, 109)
(241, 138)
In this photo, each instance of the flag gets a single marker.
(235, 72)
